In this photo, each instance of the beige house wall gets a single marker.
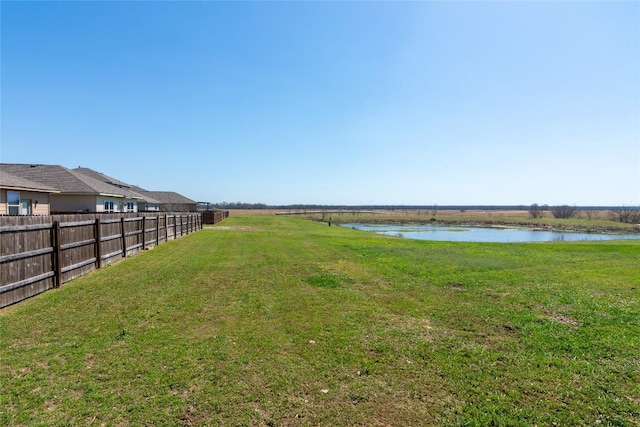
(73, 203)
(88, 203)
(119, 204)
(39, 202)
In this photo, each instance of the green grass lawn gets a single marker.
(284, 321)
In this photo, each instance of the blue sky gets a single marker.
(331, 102)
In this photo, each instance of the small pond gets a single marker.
(481, 234)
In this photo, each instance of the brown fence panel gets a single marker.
(133, 233)
(150, 231)
(111, 238)
(38, 253)
(77, 246)
(25, 246)
(213, 217)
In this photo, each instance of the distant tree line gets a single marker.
(561, 211)
(629, 215)
(625, 214)
(238, 205)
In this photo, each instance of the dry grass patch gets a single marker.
(232, 228)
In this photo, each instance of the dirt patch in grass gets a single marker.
(234, 228)
(562, 318)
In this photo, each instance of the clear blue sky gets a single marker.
(332, 102)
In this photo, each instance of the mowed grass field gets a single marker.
(281, 321)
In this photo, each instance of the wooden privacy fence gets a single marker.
(213, 217)
(38, 253)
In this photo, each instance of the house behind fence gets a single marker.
(38, 253)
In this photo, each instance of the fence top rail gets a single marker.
(76, 223)
(31, 227)
(109, 221)
(138, 218)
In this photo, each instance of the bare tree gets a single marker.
(564, 211)
(629, 215)
(535, 211)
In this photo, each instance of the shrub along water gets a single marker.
(284, 321)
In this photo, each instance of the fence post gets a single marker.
(144, 232)
(157, 229)
(98, 235)
(124, 238)
(175, 227)
(57, 261)
(166, 228)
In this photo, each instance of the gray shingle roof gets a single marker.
(14, 182)
(101, 177)
(87, 181)
(169, 197)
(63, 179)
(129, 190)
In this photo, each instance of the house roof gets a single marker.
(132, 191)
(65, 180)
(55, 178)
(14, 182)
(170, 197)
(102, 177)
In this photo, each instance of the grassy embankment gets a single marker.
(291, 322)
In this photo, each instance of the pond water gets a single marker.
(481, 234)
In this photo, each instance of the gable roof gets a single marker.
(14, 182)
(65, 180)
(169, 197)
(132, 191)
(102, 177)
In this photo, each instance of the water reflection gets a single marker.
(480, 234)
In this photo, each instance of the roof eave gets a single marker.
(33, 190)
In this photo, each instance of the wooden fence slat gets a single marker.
(124, 238)
(78, 265)
(18, 228)
(22, 255)
(57, 259)
(26, 282)
(175, 227)
(78, 244)
(112, 254)
(112, 237)
(75, 224)
(98, 251)
(110, 221)
(144, 230)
